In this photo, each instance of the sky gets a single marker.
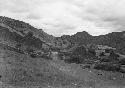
(67, 17)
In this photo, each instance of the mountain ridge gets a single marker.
(114, 39)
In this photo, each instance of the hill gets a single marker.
(115, 39)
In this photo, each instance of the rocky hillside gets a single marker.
(17, 33)
(23, 28)
(115, 39)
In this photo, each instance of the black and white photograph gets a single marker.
(62, 43)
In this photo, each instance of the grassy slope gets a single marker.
(21, 70)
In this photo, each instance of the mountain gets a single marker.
(14, 33)
(23, 28)
(79, 38)
(115, 39)
(17, 32)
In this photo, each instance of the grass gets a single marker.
(21, 71)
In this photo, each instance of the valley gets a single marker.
(30, 58)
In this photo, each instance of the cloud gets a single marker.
(108, 14)
(58, 17)
(33, 16)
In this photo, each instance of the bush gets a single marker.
(75, 59)
(108, 67)
(122, 62)
(30, 50)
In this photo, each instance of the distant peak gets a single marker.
(83, 33)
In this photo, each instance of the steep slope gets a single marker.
(23, 28)
(22, 32)
(22, 36)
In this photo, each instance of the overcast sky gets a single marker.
(62, 17)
